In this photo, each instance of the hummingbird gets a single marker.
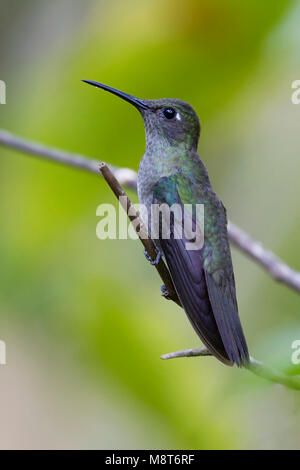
(171, 172)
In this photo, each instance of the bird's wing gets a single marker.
(221, 292)
(208, 298)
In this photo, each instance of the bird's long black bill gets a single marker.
(130, 99)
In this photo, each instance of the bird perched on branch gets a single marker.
(171, 173)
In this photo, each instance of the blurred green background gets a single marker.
(83, 319)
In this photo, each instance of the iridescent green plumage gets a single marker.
(171, 172)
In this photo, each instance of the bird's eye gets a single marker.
(169, 113)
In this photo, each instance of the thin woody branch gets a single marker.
(277, 269)
(257, 367)
(126, 176)
(141, 230)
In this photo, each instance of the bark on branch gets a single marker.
(257, 367)
(141, 231)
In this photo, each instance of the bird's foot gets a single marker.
(166, 295)
(157, 259)
(164, 292)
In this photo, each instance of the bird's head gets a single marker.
(167, 121)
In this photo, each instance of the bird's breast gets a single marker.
(151, 169)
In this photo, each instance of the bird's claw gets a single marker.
(164, 292)
(166, 295)
(157, 259)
